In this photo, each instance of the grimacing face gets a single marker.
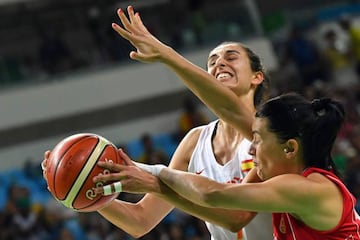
(229, 64)
(267, 151)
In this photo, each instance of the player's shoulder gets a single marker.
(193, 136)
(194, 133)
(182, 155)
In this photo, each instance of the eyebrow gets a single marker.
(227, 52)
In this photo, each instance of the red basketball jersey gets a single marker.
(286, 227)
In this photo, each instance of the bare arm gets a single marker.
(139, 218)
(315, 200)
(271, 195)
(136, 180)
(222, 101)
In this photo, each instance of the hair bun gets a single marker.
(320, 105)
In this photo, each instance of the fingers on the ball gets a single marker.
(115, 187)
(47, 154)
(124, 156)
(108, 177)
(121, 152)
(110, 165)
(99, 190)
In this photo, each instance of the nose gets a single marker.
(220, 62)
(251, 150)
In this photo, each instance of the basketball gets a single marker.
(71, 167)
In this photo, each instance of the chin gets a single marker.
(228, 82)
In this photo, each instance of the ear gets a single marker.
(258, 78)
(291, 148)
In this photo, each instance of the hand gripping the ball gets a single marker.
(127, 177)
(72, 164)
(43, 165)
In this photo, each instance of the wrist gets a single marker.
(152, 169)
(168, 55)
(156, 187)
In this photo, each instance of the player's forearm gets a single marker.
(199, 81)
(232, 220)
(128, 217)
(222, 101)
(193, 187)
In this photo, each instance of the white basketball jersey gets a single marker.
(203, 162)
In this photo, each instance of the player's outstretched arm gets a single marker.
(139, 218)
(136, 219)
(222, 101)
(135, 180)
(283, 193)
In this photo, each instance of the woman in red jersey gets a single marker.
(292, 143)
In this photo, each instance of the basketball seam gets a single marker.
(59, 161)
(76, 187)
(92, 203)
(97, 200)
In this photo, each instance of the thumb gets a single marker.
(141, 57)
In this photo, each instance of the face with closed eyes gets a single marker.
(230, 65)
(268, 152)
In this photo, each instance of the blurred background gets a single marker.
(63, 70)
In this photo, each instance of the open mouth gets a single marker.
(223, 76)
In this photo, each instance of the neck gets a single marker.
(227, 131)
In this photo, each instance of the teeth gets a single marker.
(223, 75)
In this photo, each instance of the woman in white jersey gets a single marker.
(216, 150)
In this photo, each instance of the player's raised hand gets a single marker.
(149, 48)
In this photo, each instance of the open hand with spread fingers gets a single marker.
(149, 48)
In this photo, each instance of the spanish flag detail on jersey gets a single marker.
(247, 165)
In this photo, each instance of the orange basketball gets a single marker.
(71, 167)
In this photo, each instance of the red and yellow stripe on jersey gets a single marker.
(247, 165)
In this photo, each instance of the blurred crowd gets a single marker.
(326, 66)
(23, 220)
(64, 37)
